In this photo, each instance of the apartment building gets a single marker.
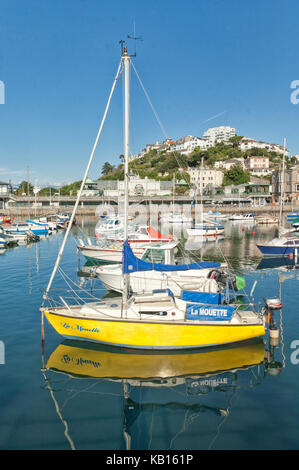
(219, 134)
(205, 177)
(228, 164)
(257, 165)
(247, 144)
(187, 144)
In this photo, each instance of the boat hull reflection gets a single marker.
(88, 360)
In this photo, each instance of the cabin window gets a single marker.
(154, 256)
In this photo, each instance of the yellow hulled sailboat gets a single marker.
(155, 320)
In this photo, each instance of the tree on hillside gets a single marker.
(23, 189)
(107, 168)
(236, 140)
(71, 188)
(236, 175)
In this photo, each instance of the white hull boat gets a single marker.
(177, 219)
(215, 215)
(266, 220)
(176, 281)
(6, 239)
(242, 217)
(201, 277)
(108, 250)
(205, 230)
(109, 255)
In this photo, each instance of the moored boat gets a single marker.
(156, 269)
(292, 216)
(266, 219)
(243, 217)
(205, 229)
(280, 246)
(154, 320)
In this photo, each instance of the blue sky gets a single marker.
(198, 59)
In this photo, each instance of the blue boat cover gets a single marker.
(209, 312)
(36, 223)
(133, 264)
(203, 297)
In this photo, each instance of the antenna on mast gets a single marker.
(135, 38)
(124, 49)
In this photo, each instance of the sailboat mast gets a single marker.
(126, 64)
(282, 184)
(201, 191)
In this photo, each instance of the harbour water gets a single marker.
(78, 396)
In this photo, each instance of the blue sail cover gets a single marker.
(133, 264)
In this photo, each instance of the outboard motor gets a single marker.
(219, 276)
(271, 305)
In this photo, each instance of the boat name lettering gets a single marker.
(213, 312)
(80, 328)
(91, 330)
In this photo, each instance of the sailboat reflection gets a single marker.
(173, 384)
(113, 363)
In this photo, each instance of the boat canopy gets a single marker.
(133, 264)
(154, 234)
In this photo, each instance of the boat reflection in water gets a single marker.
(283, 263)
(161, 394)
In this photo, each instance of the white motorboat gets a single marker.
(215, 215)
(177, 219)
(243, 217)
(106, 251)
(51, 222)
(109, 249)
(266, 219)
(205, 229)
(6, 239)
(111, 227)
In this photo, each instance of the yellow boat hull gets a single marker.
(151, 335)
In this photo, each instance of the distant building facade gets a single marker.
(258, 165)
(218, 134)
(248, 144)
(206, 177)
(289, 185)
(5, 193)
(137, 187)
(228, 164)
(188, 144)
